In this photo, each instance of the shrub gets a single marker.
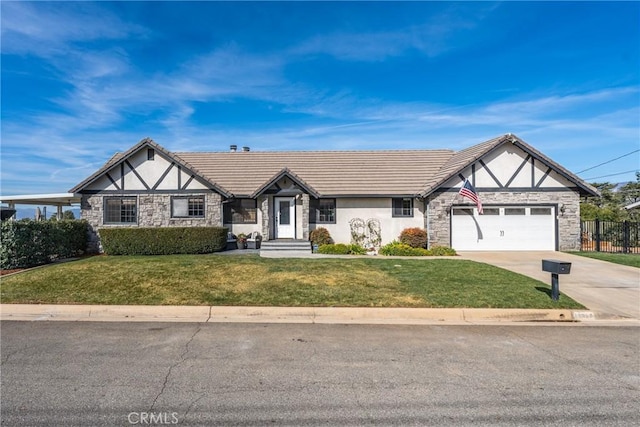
(342, 249)
(320, 236)
(396, 248)
(442, 251)
(29, 243)
(357, 250)
(163, 240)
(414, 237)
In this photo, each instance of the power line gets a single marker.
(613, 174)
(608, 161)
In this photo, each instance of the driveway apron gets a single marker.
(607, 289)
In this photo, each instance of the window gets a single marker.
(241, 211)
(151, 154)
(187, 207)
(403, 207)
(514, 211)
(463, 211)
(491, 211)
(540, 211)
(322, 211)
(120, 210)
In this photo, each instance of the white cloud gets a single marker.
(47, 28)
(434, 37)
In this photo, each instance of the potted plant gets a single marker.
(242, 241)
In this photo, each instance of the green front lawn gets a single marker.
(251, 280)
(624, 259)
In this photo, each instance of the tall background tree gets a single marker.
(610, 207)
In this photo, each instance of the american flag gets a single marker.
(469, 192)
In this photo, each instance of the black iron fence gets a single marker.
(609, 236)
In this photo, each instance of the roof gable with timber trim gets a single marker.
(292, 176)
(122, 160)
(473, 156)
(384, 173)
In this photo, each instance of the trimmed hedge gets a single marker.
(396, 248)
(163, 240)
(342, 249)
(442, 251)
(28, 243)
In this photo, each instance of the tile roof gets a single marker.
(329, 173)
(335, 173)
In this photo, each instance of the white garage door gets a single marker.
(509, 228)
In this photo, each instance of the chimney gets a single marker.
(245, 149)
(233, 148)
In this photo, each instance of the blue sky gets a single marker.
(82, 80)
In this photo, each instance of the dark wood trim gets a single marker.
(509, 190)
(164, 175)
(122, 175)
(186, 184)
(112, 180)
(490, 173)
(546, 174)
(533, 172)
(179, 176)
(135, 192)
(135, 172)
(473, 174)
(515, 174)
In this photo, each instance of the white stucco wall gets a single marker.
(367, 208)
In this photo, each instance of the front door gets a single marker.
(285, 208)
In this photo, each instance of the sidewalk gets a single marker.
(327, 315)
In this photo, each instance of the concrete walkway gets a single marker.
(609, 290)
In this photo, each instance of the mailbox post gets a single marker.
(555, 267)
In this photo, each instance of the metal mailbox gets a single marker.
(555, 267)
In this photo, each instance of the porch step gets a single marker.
(286, 246)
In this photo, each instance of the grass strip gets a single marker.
(254, 281)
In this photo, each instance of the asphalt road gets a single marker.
(65, 374)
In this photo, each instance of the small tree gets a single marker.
(414, 237)
(320, 236)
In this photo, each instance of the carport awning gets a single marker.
(58, 199)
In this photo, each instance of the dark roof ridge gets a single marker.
(242, 153)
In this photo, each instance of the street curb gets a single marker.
(326, 315)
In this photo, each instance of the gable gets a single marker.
(506, 164)
(509, 167)
(137, 173)
(146, 167)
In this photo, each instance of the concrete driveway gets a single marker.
(607, 289)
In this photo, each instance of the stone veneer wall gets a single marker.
(438, 213)
(154, 210)
(305, 216)
(263, 205)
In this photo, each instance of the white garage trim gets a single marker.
(504, 228)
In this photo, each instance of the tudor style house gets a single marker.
(530, 202)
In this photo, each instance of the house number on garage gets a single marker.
(501, 233)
